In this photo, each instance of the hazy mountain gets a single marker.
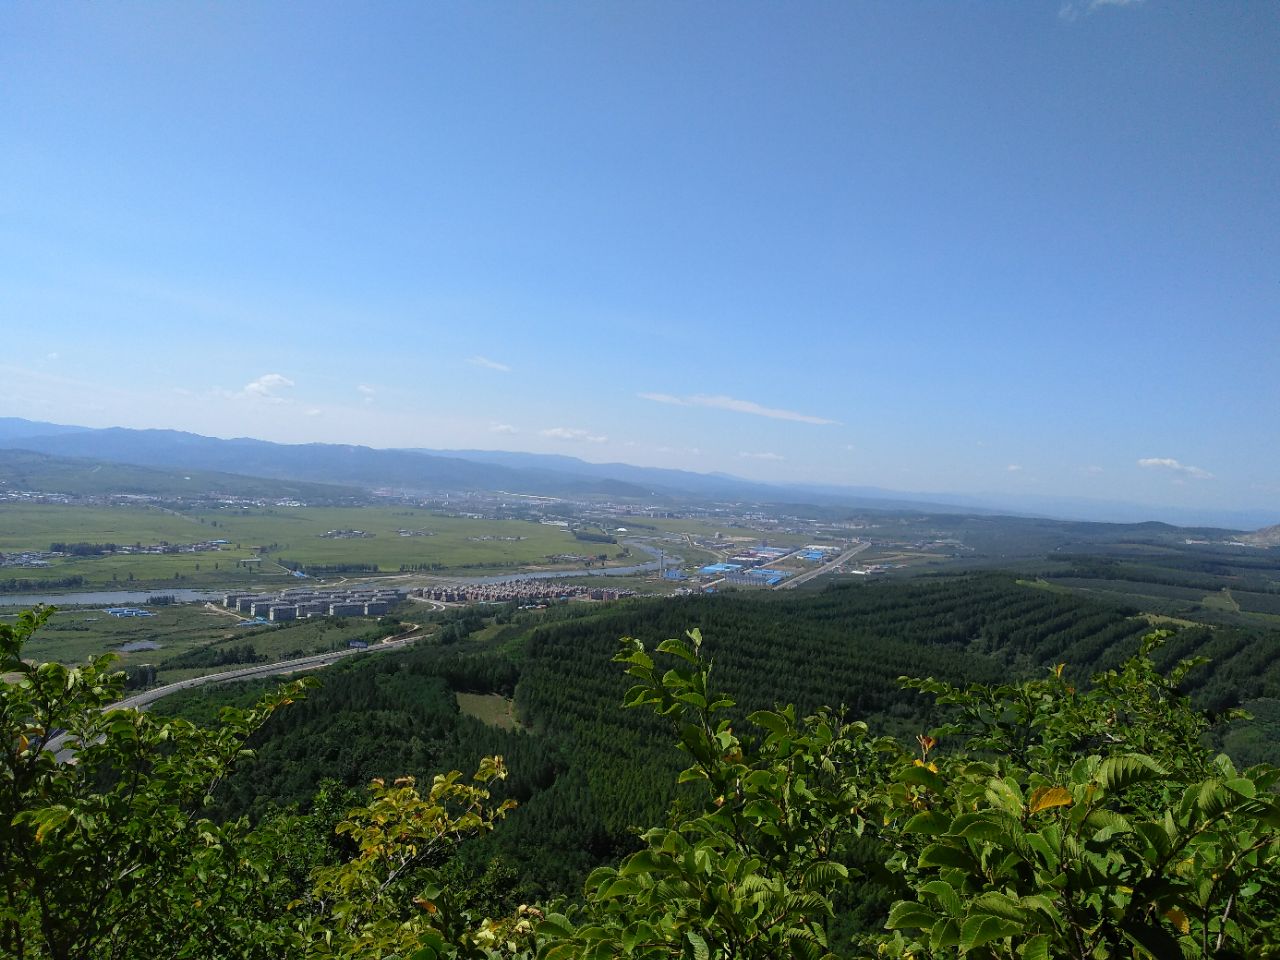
(716, 486)
(315, 462)
(545, 474)
(15, 428)
(22, 470)
(659, 480)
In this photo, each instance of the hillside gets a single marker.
(585, 772)
(26, 470)
(326, 463)
(1266, 537)
(1043, 814)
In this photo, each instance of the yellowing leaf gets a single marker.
(1045, 798)
(1057, 671)
(1178, 919)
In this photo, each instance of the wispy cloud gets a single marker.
(267, 388)
(488, 364)
(368, 392)
(502, 428)
(762, 456)
(721, 402)
(53, 356)
(573, 434)
(1181, 469)
(1074, 8)
(1014, 468)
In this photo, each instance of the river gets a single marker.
(120, 598)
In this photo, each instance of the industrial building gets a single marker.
(302, 602)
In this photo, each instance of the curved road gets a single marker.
(313, 662)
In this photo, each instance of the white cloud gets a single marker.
(53, 356)
(573, 434)
(488, 364)
(502, 428)
(267, 388)
(1182, 469)
(1072, 9)
(314, 412)
(1014, 468)
(762, 456)
(367, 390)
(721, 402)
(1093, 471)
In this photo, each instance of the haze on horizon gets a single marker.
(1021, 249)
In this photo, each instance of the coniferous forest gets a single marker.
(1066, 727)
(586, 773)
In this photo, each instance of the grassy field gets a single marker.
(491, 708)
(452, 544)
(34, 526)
(178, 634)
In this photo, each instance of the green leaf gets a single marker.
(1119, 772)
(700, 951)
(944, 855)
(1212, 799)
(1037, 948)
(947, 896)
(945, 933)
(1005, 795)
(555, 926)
(981, 929)
(930, 823)
(998, 905)
(923, 777)
(773, 722)
(679, 649)
(562, 951)
(909, 915)
(1242, 786)
(823, 873)
(644, 862)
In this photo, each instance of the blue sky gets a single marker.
(951, 246)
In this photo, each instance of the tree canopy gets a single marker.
(1047, 817)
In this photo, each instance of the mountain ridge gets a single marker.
(426, 470)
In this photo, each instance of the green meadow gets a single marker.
(272, 534)
(34, 526)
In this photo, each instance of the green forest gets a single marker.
(1055, 783)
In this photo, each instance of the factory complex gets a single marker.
(300, 603)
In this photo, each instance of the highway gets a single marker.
(825, 568)
(313, 662)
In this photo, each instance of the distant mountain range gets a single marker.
(415, 470)
(25, 470)
(330, 463)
